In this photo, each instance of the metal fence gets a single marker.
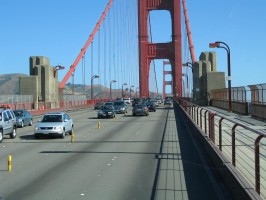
(242, 145)
(252, 93)
(258, 93)
(11, 99)
(245, 100)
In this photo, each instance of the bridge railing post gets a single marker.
(211, 127)
(220, 134)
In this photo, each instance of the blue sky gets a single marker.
(58, 29)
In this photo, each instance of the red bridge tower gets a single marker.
(149, 51)
(165, 83)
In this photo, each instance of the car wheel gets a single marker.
(1, 135)
(30, 124)
(71, 131)
(13, 134)
(22, 124)
(63, 134)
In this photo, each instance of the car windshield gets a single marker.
(52, 118)
(118, 103)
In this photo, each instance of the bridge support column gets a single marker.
(149, 51)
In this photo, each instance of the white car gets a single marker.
(127, 100)
(54, 124)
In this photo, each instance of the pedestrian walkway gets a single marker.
(182, 172)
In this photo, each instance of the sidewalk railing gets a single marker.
(245, 100)
(242, 144)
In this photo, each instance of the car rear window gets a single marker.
(118, 103)
(139, 106)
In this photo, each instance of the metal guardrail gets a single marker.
(239, 142)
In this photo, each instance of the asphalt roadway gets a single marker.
(126, 158)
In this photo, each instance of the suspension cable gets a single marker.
(153, 63)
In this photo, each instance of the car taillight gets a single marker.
(145, 108)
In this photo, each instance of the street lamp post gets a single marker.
(58, 67)
(113, 81)
(137, 91)
(130, 90)
(92, 93)
(123, 89)
(217, 44)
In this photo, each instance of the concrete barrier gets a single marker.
(258, 111)
(237, 107)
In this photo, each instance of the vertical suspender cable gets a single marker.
(114, 45)
(104, 55)
(153, 63)
(99, 62)
(110, 48)
(83, 50)
(193, 57)
(92, 59)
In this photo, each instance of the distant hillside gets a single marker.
(9, 85)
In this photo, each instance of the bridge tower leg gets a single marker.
(165, 83)
(149, 51)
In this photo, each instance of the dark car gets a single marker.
(151, 106)
(23, 118)
(136, 101)
(140, 109)
(109, 103)
(120, 107)
(168, 102)
(98, 105)
(106, 112)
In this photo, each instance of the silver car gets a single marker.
(7, 123)
(120, 107)
(54, 124)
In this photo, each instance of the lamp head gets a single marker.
(214, 45)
